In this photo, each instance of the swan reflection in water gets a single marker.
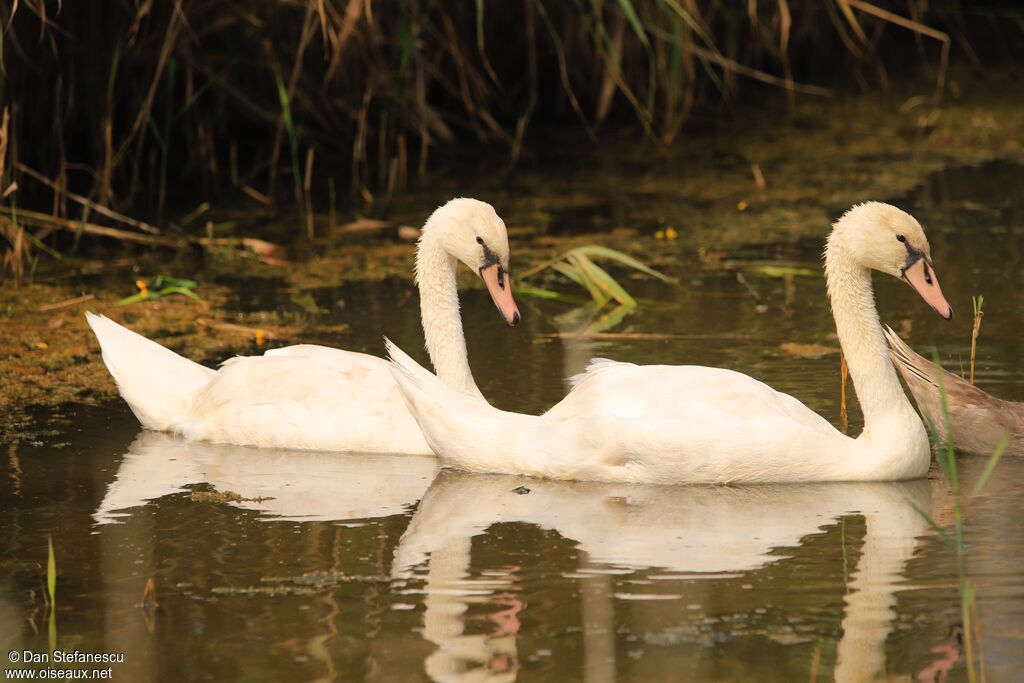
(691, 532)
(287, 485)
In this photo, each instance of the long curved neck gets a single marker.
(860, 334)
(439, 311)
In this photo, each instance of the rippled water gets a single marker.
(383, 568)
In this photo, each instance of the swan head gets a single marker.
(881, 237)
(472, 232)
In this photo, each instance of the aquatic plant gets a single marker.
(946, 456)
(50, 596)
(51, 574)
(161, 286)
(578, 266)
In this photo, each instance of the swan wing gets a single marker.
(666, 424)
(676, 391)
(305, 397)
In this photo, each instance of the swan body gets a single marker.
(979, 422)
(663, 424)
(314, 397)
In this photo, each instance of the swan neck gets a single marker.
(860, 335)
(439, 311)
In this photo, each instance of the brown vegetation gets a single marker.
(111, 107)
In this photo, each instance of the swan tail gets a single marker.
(157, 383)
(457, 425)
(594, 368)
(405, 368)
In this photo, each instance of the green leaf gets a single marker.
(178, 290)
(538, 292)
(943, 534)
(634, 21)
(783, 271)
(596, 293)
(173, 281)
(135, 298)
(571, 272)
(51, 574)
(604, 281)
(597, 251)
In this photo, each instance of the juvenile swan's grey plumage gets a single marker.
(979, 422)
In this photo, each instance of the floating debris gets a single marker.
(306, 584)
(225, 497)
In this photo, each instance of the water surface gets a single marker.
(352, 567)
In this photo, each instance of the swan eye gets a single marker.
(901, 238)
(479, 240)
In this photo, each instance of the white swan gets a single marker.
(315, 397)
(682, 424)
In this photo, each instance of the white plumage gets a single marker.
(315, 397)
(687, 424)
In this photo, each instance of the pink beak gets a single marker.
(921, 276)
(500, 287)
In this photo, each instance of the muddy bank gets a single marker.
(770, 175)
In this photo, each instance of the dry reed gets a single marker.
(116, 106)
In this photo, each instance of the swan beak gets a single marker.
(500, 287)
(921, 276)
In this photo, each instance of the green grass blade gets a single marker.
(990, 466)
(943, 534)
(184, 291)
(782, 271)
(51, 574)
(634, 21)
(289, 125)
(51, 630)
(174, 281)
(948, 452)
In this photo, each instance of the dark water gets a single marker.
(381, 568)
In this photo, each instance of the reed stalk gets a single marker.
(976, 303)
(141, 95)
